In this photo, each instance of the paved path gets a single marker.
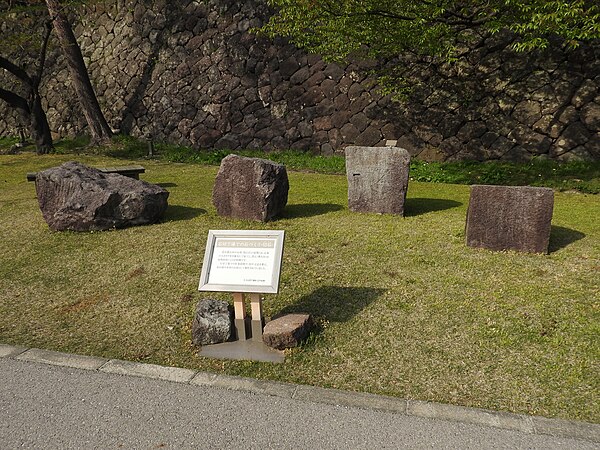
(44, 403)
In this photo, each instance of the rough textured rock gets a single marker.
(510, 218)
(377, 179)
(212, 322)
(250, 188)
(79, 198)
(287, 331)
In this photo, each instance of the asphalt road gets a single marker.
(43, 406)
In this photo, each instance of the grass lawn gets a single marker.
(404, 307)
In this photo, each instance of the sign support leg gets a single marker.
(240, 316)
(257, 317)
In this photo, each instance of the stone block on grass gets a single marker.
(212, 322)
(250, 188)
(510, 218)
(377, 179)
(287, 331)
(80, 198)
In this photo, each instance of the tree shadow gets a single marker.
(134, 103)
(418, 206)
(560, 237)
(309, 210)
(334, 303)
(178, 212)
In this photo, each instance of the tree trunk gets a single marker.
(39, 121)
(39, 126)
(30, 109)
(99, 129)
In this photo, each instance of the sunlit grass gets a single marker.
(404, 307)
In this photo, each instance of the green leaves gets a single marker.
(382, 30)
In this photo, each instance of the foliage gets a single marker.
(382, 30)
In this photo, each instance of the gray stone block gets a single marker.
(350, 399)
(136, 369)
(212, 322)
(377, 179)
(567, 428)
(8, 351)
(79, 198)
(250, 188)
(62, 359)
(510, 218)
(483, 417)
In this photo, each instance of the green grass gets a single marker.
(404, 307)
(575, 175)
(580, 176)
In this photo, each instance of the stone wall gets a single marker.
(191, 72)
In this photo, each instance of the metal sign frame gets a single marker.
(209, 263)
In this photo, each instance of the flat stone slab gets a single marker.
(175, 374)
(62, 359)
(350, 399)
(128, 171)
(568, 428)
(377, 179)
(231, 382)
(507, 421)
(7, 351)
(247, 350)
(510, 218)
(287, 331)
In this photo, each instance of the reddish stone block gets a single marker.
(510, 218)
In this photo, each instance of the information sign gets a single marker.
(242, 261)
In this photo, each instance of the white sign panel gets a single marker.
(242, 261)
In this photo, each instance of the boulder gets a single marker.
(287, 331)
(250, 188)
(510, 218)
(212, 322)
(377, 179)
(79, 198)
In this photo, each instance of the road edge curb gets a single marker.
(416, 408)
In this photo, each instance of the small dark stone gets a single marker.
(288, 67)
(212, 322)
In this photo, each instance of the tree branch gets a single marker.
(14, 100)
(16, 71)
(42, 59)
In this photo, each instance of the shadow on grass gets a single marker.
(418, 206)
(177, 212)
(166, 185)
(334, 303)
(560, 237)
(309, 210)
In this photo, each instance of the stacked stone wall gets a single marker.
(192, 72)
